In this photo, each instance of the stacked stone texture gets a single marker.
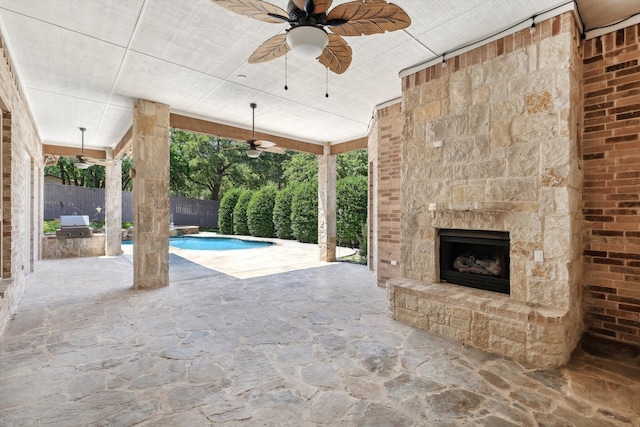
(54, 248)
(113, 206)
(327, 205)
(151, 195)
(611, 195)
(507, 114)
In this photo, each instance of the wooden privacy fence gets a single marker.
(71, 200)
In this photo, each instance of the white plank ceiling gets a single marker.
(84, 62)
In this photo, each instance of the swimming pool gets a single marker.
(211, 243)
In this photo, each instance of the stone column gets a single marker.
(327, 204)
(151, 195)
(113, 206)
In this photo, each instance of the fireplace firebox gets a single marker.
(475, 258)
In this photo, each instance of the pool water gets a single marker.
(211, 243)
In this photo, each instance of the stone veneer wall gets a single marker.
(151, 195)
(384, 198)
(21, 157)
(54, 248)
(611, 195)
(508, 115)
(327, 204)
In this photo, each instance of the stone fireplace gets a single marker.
(490, 150)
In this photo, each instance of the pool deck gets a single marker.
(281, 257)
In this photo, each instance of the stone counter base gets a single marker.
(535, 335)
(54, 248)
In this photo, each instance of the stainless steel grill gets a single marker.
(74, 227)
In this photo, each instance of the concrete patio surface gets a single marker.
(305, 347)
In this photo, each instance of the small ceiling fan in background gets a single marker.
(85, 162)
(308, 37)
(253, 146)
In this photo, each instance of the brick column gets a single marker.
(113, 206)
(151, 195)
(327, 204)
(388, 190)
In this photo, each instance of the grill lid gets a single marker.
(74, 222)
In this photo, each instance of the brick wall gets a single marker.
(6, 195)
(386, 160)
(611, 195)
(21, 160)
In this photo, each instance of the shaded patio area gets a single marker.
(312, 346)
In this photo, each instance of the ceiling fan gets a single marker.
(85, 162)
(308, 37)
(254, 147)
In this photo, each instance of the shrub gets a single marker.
(364, 243)
(225, 211)
(351, 201)
(240, 213)
(304, 212)
(260, 212)
(282, 213)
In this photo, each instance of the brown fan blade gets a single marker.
(256, 9)
(95, 161)
(264, 144)
(273, 48)
(321, 6)
(336, 56)
(273, 149)
(367, 17)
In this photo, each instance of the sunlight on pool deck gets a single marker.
(282, 256)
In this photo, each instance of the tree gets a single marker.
(260, 212)
(93, 177)
(127, 182)
(205, 162)
(301, 167)
(353, 163)
(304, 212)
(268, 169)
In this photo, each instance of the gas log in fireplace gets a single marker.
(476, 259)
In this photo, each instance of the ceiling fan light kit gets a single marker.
(306, 41)
(253, 152)
(81, 164)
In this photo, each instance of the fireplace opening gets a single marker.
(475, 258)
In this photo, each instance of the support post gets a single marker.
(113, 206)
(151, 195)
(327, 204)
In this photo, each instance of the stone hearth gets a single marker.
(490, 142)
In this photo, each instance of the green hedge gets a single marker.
(351, 204)
(260, 212)
(225, 211)
(240, 225)
(282, 213)
(304, 212)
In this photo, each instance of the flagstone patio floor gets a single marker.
(313, 346)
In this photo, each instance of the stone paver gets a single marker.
(298, 348)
